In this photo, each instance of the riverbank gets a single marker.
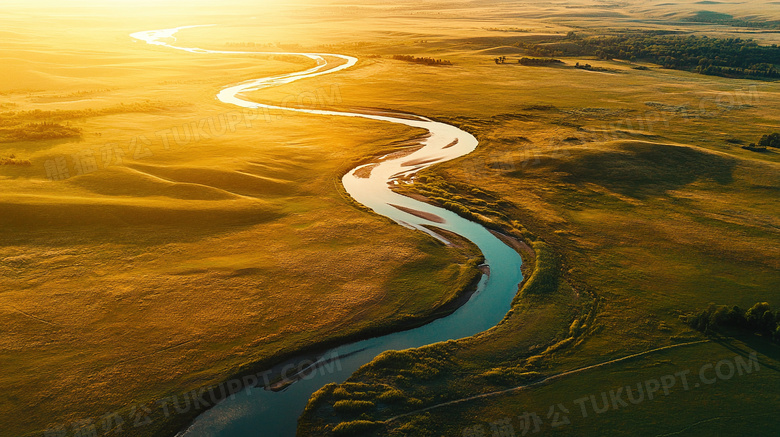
(370, 185)
(540, 318)
(274, 372)
(620, 220)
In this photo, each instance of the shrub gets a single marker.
(352, 406)
(355, 427)
(391, 396)
(544, 279)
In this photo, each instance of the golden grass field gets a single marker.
(133, 268)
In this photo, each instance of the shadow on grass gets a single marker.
(743, 344)
(639, 169)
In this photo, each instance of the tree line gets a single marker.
(539, 61)
(13, 160)
(46, 130)
(535, 62)
(758, 319)
(423, 60)
(728, 57)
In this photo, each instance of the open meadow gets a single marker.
(158, 241)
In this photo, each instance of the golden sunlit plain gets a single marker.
(163, 238)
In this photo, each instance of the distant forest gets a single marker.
(727, 57)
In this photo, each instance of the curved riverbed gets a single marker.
(260, 412)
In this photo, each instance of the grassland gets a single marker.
(156, 269)
(138, 261)
(635, 181)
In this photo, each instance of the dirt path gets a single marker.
(542, 381)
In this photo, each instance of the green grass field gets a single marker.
(636, 181)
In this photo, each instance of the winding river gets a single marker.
(261, 412)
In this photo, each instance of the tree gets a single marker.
(755, 315)
(771, 140)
